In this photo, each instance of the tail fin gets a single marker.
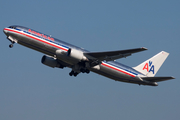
(152, 65)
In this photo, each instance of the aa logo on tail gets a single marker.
(149, 67)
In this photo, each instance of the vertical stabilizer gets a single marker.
(152, 65)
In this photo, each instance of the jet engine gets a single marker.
(61, 53)
(51, 62)
(76, 55)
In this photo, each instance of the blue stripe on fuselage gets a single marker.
(56, 42)
(123, 67)
(63, 44)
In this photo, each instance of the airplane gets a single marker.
(61, 54)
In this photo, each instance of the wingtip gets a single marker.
(144, 48)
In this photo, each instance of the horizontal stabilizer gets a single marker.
(157, 79)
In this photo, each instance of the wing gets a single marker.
(112, 55)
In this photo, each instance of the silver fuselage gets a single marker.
(49, 46)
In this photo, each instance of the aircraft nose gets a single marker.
(5, 31)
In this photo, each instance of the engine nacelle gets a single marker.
(76, 55)
(61, 52)
(51, 62)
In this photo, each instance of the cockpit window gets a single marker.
(13, 27)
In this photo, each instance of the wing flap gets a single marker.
(157, 79)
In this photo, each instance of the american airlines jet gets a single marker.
(61, 54)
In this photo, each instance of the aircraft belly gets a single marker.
(42, 47)
(36, 45)
(114, 74)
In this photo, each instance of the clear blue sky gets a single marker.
(30, 90)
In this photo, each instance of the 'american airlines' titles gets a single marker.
(41, 35)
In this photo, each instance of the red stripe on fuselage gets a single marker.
(118, 70)
(44, 41)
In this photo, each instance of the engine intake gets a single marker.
(51, 62)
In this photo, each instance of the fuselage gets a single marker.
(50, 45)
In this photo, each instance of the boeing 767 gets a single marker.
(61, 54)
